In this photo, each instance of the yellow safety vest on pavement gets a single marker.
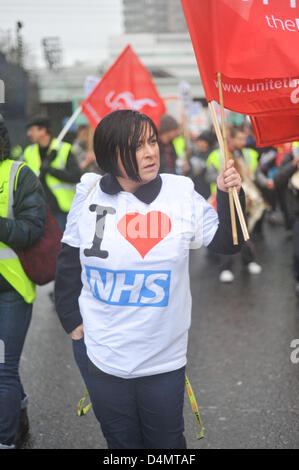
(10, 265)
(63, 192)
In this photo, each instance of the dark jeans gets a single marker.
(141, 413)
(247, 256)
(15, 316)
(270, 196)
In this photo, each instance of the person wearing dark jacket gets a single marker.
(203, 146)
(168, 130)
(284, 182)
(56, 167)
(22, 219)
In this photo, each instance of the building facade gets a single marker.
(153, 16)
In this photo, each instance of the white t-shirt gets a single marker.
(136, 300)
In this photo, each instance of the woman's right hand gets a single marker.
(77, 333)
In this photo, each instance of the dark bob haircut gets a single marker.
(120, 132)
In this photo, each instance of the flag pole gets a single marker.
(68, 125)
(225, 148)
(90, 139)
(235, 194)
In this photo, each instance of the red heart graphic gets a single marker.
(144, 231)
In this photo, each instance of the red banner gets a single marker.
(127, 84)
(254, 44)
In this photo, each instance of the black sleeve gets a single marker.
(29, 211)
(222, 242)
(68, 287)
(71, 173)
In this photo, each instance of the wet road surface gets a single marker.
(238, 360)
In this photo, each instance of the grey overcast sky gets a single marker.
(82, 25)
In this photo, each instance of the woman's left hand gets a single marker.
(229, 177)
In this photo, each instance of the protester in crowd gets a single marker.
(172, 144)
(22, 219)
(246, 160)
(180, 146)
(284, 150)
(56, 168)
(168, 130)
(203, 145)
(264, 179)
(287, 179)
(85, 158)
(122, 286)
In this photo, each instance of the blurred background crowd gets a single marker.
(47, 72)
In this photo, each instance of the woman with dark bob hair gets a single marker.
(122, 287)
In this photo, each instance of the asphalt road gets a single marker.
(238, 360)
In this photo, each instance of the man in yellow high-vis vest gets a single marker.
(248, 161)
(239, 150)
(57, 168)
(22, 220)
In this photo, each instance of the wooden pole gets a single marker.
(226, 158)
(216, 127)
(235, 193)
(240, 214)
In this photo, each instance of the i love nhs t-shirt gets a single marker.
(136, 301)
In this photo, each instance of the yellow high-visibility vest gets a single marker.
(179, 144)
(63, 192)
(10, 266)
(215, 158)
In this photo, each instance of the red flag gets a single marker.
(275, 128)
(254, 44)
(127, 84)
